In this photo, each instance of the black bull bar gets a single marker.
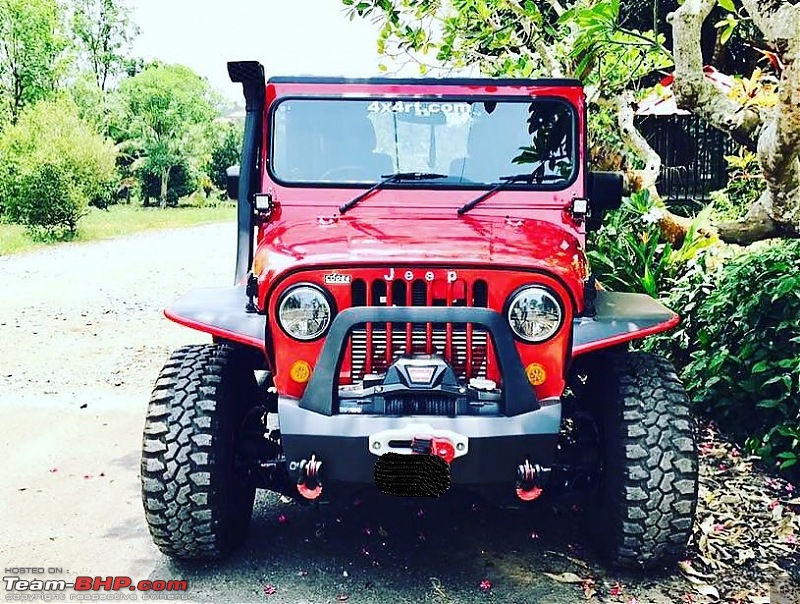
(321, 392)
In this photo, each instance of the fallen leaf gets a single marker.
(687, 569)
(565, 577)
(707, 590)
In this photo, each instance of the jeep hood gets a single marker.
(348, 241)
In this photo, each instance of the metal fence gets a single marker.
(692, 154)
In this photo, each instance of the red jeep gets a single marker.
(413, 309)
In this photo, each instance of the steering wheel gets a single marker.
(356, 171)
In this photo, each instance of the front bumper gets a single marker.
(491, 447)
(495, 445)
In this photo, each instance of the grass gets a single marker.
(116, 221)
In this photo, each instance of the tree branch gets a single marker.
(543, 51)
(691, 88)
(757, 225)
(776, 20)
(646, 178)
(556, 6)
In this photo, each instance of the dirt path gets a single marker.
(82, 337)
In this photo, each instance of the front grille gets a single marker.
(374, 347)
(467, 352)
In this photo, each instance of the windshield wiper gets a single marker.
(504, 182)
(387, 179)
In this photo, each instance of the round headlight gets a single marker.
(534, 314)
(304, 312)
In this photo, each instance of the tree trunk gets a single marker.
(646, 178)
(673, 227)
(164, 187)
(775, 135)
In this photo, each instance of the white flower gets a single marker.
(653, 215)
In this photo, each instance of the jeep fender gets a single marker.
(620, 318)
(220, 311)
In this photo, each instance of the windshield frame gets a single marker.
(433, 183)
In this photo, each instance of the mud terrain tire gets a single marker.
(644, 512)
(197, 503)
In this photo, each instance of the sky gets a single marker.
(289, 37)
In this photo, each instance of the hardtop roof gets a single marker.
(571, 82)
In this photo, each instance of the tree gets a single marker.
(227, 152)
(54, 165)
(165, 116)
(585, 39)
(104, 34)
(771, 128)
(31, 44)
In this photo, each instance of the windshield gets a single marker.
(347, 141)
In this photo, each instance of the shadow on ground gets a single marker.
(384, 549)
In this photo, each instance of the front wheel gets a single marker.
(197, 499)
(644, 512)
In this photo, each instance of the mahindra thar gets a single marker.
(413, 311)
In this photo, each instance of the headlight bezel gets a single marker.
(547, 291)
(323, 293)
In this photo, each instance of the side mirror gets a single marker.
(605, 193)
(605, 190)
(232, 182)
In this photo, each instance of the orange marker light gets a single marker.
(536, 374)
(300, 372)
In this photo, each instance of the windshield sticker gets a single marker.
(418, 107)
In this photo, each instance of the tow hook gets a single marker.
(529, 480)
(440, 447)
(309, 484)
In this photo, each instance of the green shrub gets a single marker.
(627, 253)
(687, 293)
(52, 202)
(745, 184)
(745, 368)
(227, 152)
(52, 166)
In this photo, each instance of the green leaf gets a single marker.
(760, 367)
(727, 5)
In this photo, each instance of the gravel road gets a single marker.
(82, 338)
